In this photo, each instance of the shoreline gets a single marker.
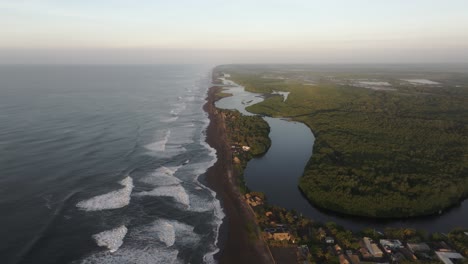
(234, 242)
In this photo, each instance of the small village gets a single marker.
(286, 232)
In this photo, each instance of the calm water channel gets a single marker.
(278, 171)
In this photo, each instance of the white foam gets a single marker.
(165, 232)
(163, 176)
(112, 239)
(160, 145)
(216, 204)
(172, 231)
(175, 191)
(111, 200)
(421, 81)
(170, 119)
(179, 107)
(379, 83)
(147, 255)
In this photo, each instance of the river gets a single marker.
(278, 171)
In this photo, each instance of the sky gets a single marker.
(236, 31)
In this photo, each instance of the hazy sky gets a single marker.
(152, 31)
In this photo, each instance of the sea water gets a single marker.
(103, 164)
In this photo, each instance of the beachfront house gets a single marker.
(449, 257)
(418, 247)
(391, 245)
(281, 236)
(374, 250)
(271, 233)
(253, 200)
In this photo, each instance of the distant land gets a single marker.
(391, 141)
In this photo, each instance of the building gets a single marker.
(418, 247)
(329, 240)
(245, 148)
(271, 233)
(442, 246)
(447, 257)
(374, 250)
(253, 200)
(391, 243)
(281, 236)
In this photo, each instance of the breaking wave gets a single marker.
(112, 239)
(111, 200)
(160, 145)
(166, 233)
(175, 191)
(147, 255)
(163, 176)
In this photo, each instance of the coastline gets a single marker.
(235, 243)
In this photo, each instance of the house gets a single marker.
(329, 240)
(392, 243)
(353, 257)
(447, 257)
(418, 247)
(245, 148)
(373, 248)
(442, 246)
(281, 236)
(253, 200)
(271, 233)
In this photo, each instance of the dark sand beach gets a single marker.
(236, 244)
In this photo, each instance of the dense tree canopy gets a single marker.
(392, 153)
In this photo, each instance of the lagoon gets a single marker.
(277, 174)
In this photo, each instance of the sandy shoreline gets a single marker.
(235, 244)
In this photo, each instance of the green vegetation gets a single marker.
(459, 239)
(250, 131)
(377, 153)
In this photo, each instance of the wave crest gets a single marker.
(112, 239)
(111, 200)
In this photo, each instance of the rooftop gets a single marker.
(447, 257)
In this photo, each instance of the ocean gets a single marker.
(105, 164)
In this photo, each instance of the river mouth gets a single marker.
(277, 174)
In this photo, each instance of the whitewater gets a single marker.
(112, 167)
